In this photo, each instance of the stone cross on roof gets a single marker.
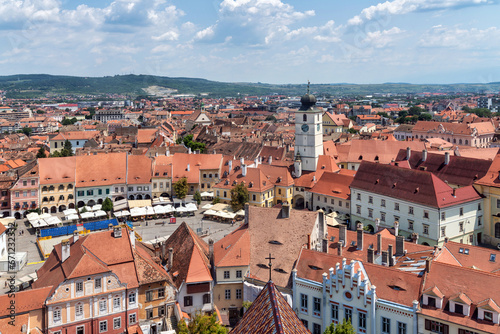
(270, 265)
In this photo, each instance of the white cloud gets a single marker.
(399, 7)
(463, 39)
(167, 36)
(205, 33)
(382, 38)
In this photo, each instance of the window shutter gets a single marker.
(427, 324)
(445, 329)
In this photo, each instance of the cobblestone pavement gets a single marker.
(149, 230)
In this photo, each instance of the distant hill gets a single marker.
(39, 85)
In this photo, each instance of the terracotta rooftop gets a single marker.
(270, 314)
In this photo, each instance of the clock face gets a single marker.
(305, 127)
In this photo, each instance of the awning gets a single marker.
(139, 203)
(72, 217)
(100, 213)
(69, 212)
(97, 207)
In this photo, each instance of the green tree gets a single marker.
(415, 111)
(202, 324)
(41, 153)
(216, 200)
(107, 205)
(197, 197)
(239, 196)
(181, 188)
(27, 131)
(425, 117)
(69, 121)
(344, 328)
(271, 118)
(67, 150)
(383, 114)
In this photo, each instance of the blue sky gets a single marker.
(272, 41)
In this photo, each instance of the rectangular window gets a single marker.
(226, 274)
(79, 310)
(479, 206)
(103, 326)
(461, 226)
(116, 302)
(316, 305)
(238, 273)
(81, 193)
(335, 312)
(161, 311)
(227, 294)
(130, 188)
(479, 220)
(426, 214)
(348, 315)
(358, 196)
(146, 188)
(117, 323)
(461, 213)
(33, 183)
(426, 229)
(436, 327)
(17, 193)
(316, 328)
(57, 315)
(410, 225)
(25, 183)
(102, 306)
(90, 192)
(206, 298)
(370, 213)
(410, 210)
(161, 293)
(382, 216)
(33, 193)
(370, 199)
(358, 209)
(459, 308)
(396, 206)
(305, 323)
(401, 328)
(132, 319)
(382, 203)
(25, 193)
(443, 215)
(116, 189)
(303, 302)
(99, 191)
(386, 325)
(362, 320)
(443, 231)
(188, 301)
(149, 296)
(149, 314)
(238, 293)
(79, 286)
(97, 283)
(131, 298)
(340, 203)
(488, 316)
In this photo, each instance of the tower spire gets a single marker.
(308, 86)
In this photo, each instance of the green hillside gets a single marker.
(39, 85)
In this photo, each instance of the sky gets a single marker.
(269, 41)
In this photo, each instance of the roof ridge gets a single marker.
(275, 307)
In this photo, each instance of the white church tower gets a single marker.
(308, 135)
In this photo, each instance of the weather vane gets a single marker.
(270, 258)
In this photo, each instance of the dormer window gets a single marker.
(488, 316)
(488, 310)
(459, 308)
(431, 301)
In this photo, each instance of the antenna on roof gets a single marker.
(270, 258)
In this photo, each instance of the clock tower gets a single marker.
(308, 135)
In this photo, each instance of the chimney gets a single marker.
(343, 234)
(314, 178)
(424, 155)
(189, 150)
(132, 238)
(256, 162)
(446, 239)
(428, 264)
(76, 236)
(163, 250)
(188, 167)
(447, 158)
(396, 228)
(243, 170)
(377, 225)
(211, 250)
(325, 245)
(339, 248)
(391, 256)
(379, 243)
(242, 161)
(408, 153)
(360, 237)
(247, 208)
(454, 193)
(285, 210)
(65, 246)
(385, 260)
(170, 258)
(270, 159)
(400, 245)
(371, 255)
(414, 237)
(157, 250)
(309, 241)
(117, 231)
(230, 164)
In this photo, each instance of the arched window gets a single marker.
(70, 196)
(44, 189)
(61, 187)
(61, 198)
(466, 142)
(51, 188)
(51, 198)
(460, 142)
(70, 186)
(497, 230)
(304, 118)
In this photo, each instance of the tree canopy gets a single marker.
(107, 205)
(41, 153)
(197, 197)
(344, 328)
(66, 151)
(181, 188)
(239, 196)
(201, 324)
(69, 121)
